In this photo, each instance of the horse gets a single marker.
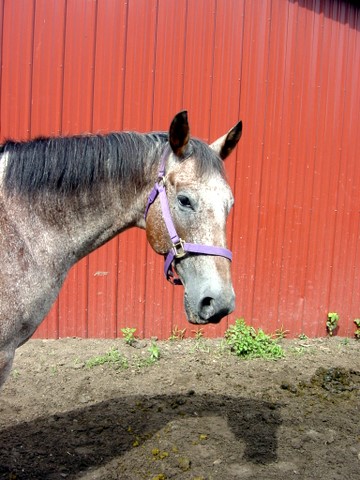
(63, 197)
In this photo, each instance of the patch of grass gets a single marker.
(201, 345)
(298, 350)
(112, 357)
(247, 342)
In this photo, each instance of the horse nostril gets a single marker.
(214, 309)
(207, 309)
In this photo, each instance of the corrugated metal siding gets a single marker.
(290, 69)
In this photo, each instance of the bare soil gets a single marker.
(198, 412)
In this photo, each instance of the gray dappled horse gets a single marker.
(61, 198)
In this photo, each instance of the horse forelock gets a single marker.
(207, 161)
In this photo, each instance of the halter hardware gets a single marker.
(179, 248)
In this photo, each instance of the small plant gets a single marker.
(281, 333)
(113, 357)
(154, 352)
(129, 335)
(199, 333)
(200, 345)
(154, 356)
(247, 342)
(302, 336)
(177, 334)
(332, 322)
(357, 331)
(15, 373)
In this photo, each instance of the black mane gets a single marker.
(66, 165)
(70, 164)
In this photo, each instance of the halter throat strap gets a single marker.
(179, 248)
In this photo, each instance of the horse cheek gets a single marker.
(155, 233)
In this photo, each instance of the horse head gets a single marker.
(192, 207)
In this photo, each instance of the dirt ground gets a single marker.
(197, 413)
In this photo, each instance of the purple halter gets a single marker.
(180, 248)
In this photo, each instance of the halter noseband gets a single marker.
(180, 248)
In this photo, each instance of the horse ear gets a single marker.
(224, 145)
(179, 134)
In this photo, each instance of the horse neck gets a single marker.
(103, 217)
(59, 233)
(65, 217)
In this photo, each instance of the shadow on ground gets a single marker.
(72, 442)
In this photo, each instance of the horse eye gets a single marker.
(184, 201)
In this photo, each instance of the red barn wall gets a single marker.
(289, 69)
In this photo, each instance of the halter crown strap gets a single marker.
(179, 247)
(161, 174)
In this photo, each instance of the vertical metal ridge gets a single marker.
(262, 206)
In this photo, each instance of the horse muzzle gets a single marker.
(210, 306)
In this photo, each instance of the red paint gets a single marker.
(289, 70)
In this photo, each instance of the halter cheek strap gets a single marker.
(179, 248)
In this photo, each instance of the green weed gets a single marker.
(15, 373)
(247, 342)
(357, 331)
(281, 333)
(129, 335)
(200, 345)
(332, 322)
(198, 333)
(177, 334)
(154, 356)
(112, 357)
(154, 352)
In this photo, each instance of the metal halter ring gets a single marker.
(178, 249)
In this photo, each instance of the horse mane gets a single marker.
(76, 164)
(67, 165)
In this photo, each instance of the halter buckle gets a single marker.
(178, 249)
(161, 180)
